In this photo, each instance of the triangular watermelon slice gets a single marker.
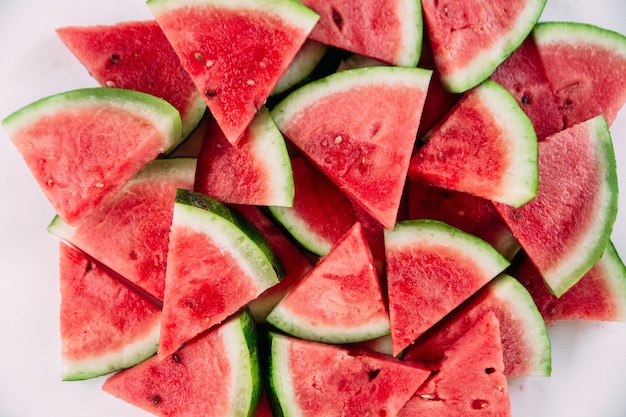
(432, 267)
(234, 50)
(136, 56)
(358, 126)
(469, 381)
(389, 30)
(485, 146)
(104, 325)
(82, 146)
(566, 228)
(339, 300)
(470, 39)
(254, 171)
(315, 379)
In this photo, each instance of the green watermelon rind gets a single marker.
(412, 23)
(130, 355)
(615, 279)
(481, 67)
(232, 232)
(300, 230)
(572, 33)
(280, 393)
(303, 64)
(158, 112)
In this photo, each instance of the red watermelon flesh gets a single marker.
(469, 213)
(565, 229)
(136, 56)
(599, 295)
(526, 346)
(254, 171)
(327, 380)
(523, 75)
(235, 52)
(387, 30)
(140, 216)
(469, 381)
(104, 325)
(585, 66)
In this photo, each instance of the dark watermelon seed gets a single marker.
(337, 19)
(210, 93)
(115, 58)
(89, 267)
(156, 400)
(176, 357)
(525, 99)
(489, 370)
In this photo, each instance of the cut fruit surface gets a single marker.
(432, 267)
(339, 300)
(358, 126)
(485, 146)
(566, 228)
(82, 146)
(177, 384)
(234, 51)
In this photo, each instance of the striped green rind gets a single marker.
(300, 230)
(280, 392)
(616, 279)
(578, 32)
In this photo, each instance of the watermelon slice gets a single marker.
(390, 31)
(137, 56)
(82, 146)
(104, 325)
(599, 295)
(255, 171)
(315, 379)
(338, 301)
(527, 349)
(469, 381)
(430, 263)
(358, 126)
(585, 66)
(217, 262)
(141, 215)
(486, 146)
(216, 374)
(234, 50)
(304, 63)
(470, 39)
(566, 228)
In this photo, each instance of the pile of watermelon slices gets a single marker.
(414, 275)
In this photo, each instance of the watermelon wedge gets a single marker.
(585, 67)
(566, 228)
(141, 216)
(224, 359)
(304, 63)
(486, 146)
(217, 262)
(339, 300)
(430, 263)
(136, 56)
(387, 30)
(255, 171)
(104, 325)
(314, 379)
(234, 50)
(470, 39)
(358, 126)
(82, 146)
(469, 381)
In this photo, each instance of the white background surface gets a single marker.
(589, 359)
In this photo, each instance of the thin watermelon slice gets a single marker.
(304, 63)
(234, 50)
(566, 228)
(255, 171)
(585, 66)
(430, 263)
(339, 300)
(140, 215)
(314, 379)
(104, 325)
(358, 126)
(389, 31)
(82, 146)
(136, 56)
(469, 381)
(217, 262)
(486, 146)
(527, 349)
(216, 374)
(599, 295)
(470, 39)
